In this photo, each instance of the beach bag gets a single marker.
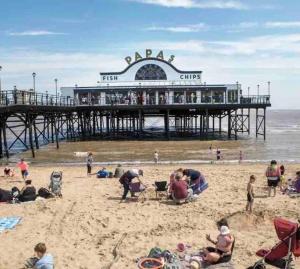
(5, 196)
(102, 174)
(45, 193)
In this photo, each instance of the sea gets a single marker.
(282, 143)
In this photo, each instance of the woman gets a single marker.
(273, 174)
(223, 245)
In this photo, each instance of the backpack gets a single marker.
(45, 193)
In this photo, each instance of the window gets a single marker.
(150, 72)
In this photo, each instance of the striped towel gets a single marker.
(8, 223)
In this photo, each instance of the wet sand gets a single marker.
(82, 228)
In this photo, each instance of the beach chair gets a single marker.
(138, 189)
(161, 187)
(281, 255)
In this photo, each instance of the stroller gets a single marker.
(281, 255)
(56, 183)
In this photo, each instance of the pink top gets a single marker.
(273, 172)
(23, 166)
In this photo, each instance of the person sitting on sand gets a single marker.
(8, 172)
(222, 251)
(194, 178)
(179, 190)
(295, 184)
(273, 176)
(119, 171)
(24, 168)
(127, 178)
(250, 194)
(28, 192)
(45, 260)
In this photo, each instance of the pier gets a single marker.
(30, 120)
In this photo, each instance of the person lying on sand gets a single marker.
(127, 178)
(180, 190)
(28, 192)
(45, 260)
(223, 246)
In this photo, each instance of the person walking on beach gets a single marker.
(24, 168)
(89, 162)
(241, 157)
(155, 157)
(218, 154)
(250, 194)
(273, 176)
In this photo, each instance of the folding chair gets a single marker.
(139, 188)
(161, 186)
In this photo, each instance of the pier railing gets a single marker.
(17, 97)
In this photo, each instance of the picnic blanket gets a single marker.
(8, 223)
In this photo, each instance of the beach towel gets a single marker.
(8, 223)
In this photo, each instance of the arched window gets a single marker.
(150, 72)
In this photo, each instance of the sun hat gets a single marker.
(224, 230)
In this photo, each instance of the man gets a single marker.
(179, 189)
(24, 168)
(28, 193)
(195, 178)
(127, 178)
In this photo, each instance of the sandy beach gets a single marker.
(82, 228)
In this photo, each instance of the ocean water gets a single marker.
(282, 143)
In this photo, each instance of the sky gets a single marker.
(251, 42)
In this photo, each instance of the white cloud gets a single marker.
(282, 24)
(205, 4)
(266, 44)
(34, 33)
(180, 29)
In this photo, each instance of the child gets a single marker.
(45, 261)
(89, 162)
(250, 194)
(24, 168)
(155, 157)
(282, 183)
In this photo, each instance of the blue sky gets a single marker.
(229, 40)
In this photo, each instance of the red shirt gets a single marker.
(179, 189)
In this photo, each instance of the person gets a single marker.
(8, 172)
(45, 260)
(28, 192)
(180, 190)
(222, 251)
(155, 157)
(282, 181)
(241, 157)
(127, 178)
(119, 171)
(24, 168)
(218, 154)
(195, 179)
(250, 194)
(89, 162)
(273, 176)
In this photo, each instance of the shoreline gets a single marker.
(39, 163)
